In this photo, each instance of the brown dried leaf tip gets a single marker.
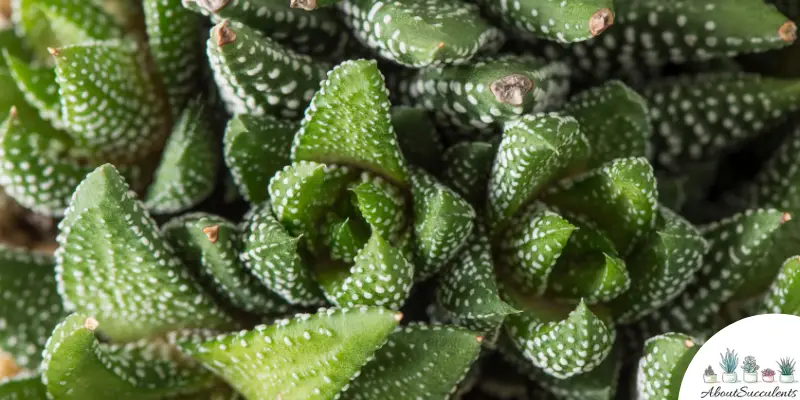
(601, 20)
(511, 89)
(688, 343)
(91, 324)
(210, 5)
(8, 368)
(212, 232)
(788, 31)
(223, 34)
(786, 217)
(304, 4)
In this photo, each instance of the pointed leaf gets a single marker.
(77, 366)
(417, 137)
(188, 169)
(23, 387)
(481, 96)
(427, 361)
(782, 296)
(209, 245)
(703, 117)
(256, 148)
(38, 85)
(381, 205)
(118, 114)
(173, 43)
(619, 198)
(571, 21)
(317, 34)
(29, 304)
(258, 76)
(663, 365)
(380, 277)
(11, 43)
(442, 223)
(113, 263)
(33, 170)
(532, 245)
(467, 168)
(274, 361)
(615, 121)
(271, 254)
(468, 292)
(349, 122)
(535, 150)
(422, 33)
(661, 267)
(563, 343)
(345, 237)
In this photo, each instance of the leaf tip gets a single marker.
(307, 5)
(8, 367)
(479, 339)
(53, 51)
(511, 89)
(788, 31)
(223, 34)
(601, 20)
(786, 217)
(13, 112)
(91, 324)
(398, 316)
(688, 343)
(212, 233)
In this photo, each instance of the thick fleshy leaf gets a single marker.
(349, 122)
(618, 197)
(661, 267)
(417, 137)
(775, 184)
(615, 121)
(173, 43)
(423, 33)
(382, 206)
(188, 170)
(303, 192)
(38, 85)
(536, 150)
(648, 34)
(570, 21)
(310, 357)
(381, 276)
(563, 342)
(427, 361)
(318, 33)
(663, 365)
(442, 223)
(258, 76)
(113, 111)
(272, 256)
(702, 117)
(468, 292)
(56, 23)
(467, 168)
(23, 387)
(532, 245)
(77, 366)
(345, 237)
(589, 269)
(210, 246)
(29, 304)
(782, 297)
(255, 149)
(12, 97)
(738, 246)
(34, 171)
(483, 95)
(113, 263)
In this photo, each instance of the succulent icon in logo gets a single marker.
(728, 363)
(709, 376)
(750, 369)
(768, 375)
(786, 366)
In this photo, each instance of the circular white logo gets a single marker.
(755, 358)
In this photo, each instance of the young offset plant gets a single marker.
(271, 199)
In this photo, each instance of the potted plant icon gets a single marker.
(768, 375)
(786, 366)
(728, 364)
(709, 376)
(750, 369)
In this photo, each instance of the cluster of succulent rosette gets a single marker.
(415, 199)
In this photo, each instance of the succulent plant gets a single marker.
(709, 371)
(319, 199)
(768, 372)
